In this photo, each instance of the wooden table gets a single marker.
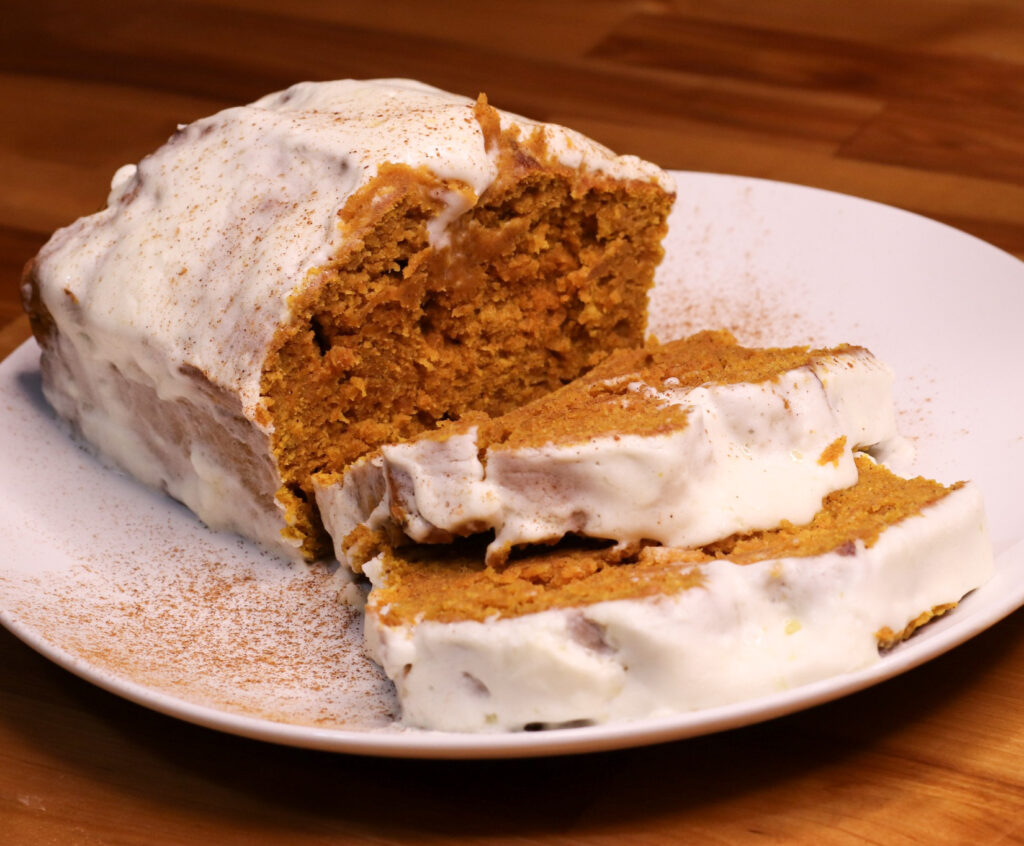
(916, 103)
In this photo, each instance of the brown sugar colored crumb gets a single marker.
(544, 275)
(710, 356)
(887, 638)
(445, 587)
(833, 452)
(602, 402)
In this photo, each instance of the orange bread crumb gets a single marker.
(540, 279)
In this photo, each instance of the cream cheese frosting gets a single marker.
(178, 286)
(746, 456)
(745, 631)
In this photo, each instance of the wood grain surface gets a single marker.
(915, 103)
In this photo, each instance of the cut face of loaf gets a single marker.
(287, 285)
(527, 295)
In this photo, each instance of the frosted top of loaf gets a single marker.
(192, 262)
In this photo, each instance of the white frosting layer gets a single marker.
(748, 457)
(342, 506)
(190, 267)
(749, 630)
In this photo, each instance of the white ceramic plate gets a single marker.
(125, 588)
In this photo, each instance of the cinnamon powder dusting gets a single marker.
(755, 313)
(254, 642)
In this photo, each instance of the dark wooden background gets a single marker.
(916, 103)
